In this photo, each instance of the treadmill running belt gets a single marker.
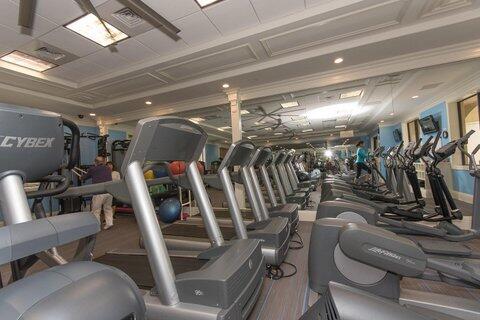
(136, 266)
(195, 231)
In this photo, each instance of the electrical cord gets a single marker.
(277, 273)
(299, 242)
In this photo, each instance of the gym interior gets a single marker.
(239, 159)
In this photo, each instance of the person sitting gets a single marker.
(99, 173)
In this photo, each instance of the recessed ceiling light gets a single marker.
(290, 104)
(307, 130)
(392, 113)
(340, 126)
(92, 28)
(296, 138)
(382, 121)
(27, 61)
(196, 120)
(206, 3)
(92, 114)
(338, 60)
(277, 133)
(244, 112)
(225, 86)
(331, 134)
(251, 137)
(148, 102)
(268, 129)
(415, 97)
(268, 140)
(351, 94)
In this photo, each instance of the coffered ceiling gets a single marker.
(263, 48)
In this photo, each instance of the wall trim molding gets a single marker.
(465, 197)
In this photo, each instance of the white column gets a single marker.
(236, 123)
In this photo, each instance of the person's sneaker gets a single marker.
(107, 227)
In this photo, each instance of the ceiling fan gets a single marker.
(26, 16)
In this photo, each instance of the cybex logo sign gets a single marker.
(25, 142)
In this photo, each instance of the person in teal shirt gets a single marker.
(361, 157)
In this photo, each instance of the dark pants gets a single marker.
(362, 166)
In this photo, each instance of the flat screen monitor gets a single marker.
(428, 124)
(397, 135)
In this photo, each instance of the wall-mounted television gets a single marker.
(428, 124)
(397, 135)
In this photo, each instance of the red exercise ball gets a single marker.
(177, 167)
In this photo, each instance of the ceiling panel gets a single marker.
(71, 42)
(9, 18)
(221, 15)
(311, 3)
(210, 63)
(173, 9)
(11, 40)
(160, 42)
(107, 59)
(138, 83)
(134, 51)
(196, 29)
(58, 11)
(85, 67)
(339, 28)
(64, 73)
(271, 9)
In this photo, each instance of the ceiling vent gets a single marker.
(128, 18)
(430, 86)
(49, 54)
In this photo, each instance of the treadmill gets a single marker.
(288, 210)
(274, 233)
(222, 282)
(291, 196)
(307, 186)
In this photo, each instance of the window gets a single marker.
(413, 130)
(468, 113)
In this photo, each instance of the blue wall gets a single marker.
(88, 147)
(439, 113)
(462, 181)
(212, 153)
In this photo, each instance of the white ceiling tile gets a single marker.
(232, 15)
(312, 3)
(196, 28)
(134, 51)
(271, 9)
(96, 3)
(71, 42)
(85, 67)
(58, 11)
(160, 42)
(173, 9)
(107, 59)
(11, 40)
(64, 73)
(9, 18)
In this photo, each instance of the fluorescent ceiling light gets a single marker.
(335, 111)
(268, 129)
(328, 153)
(415, 97)
(251, 137)
(277, 133)
(290, 104)
(205, 3)
(225, 86)
(28, 61)
(382, 121)
(342, 126)
(244, 112)
(338, 60)
(148, 103)
(392, 113)
(92, 28)
(92, 114)
(257, 123)
(351, 94)
(307, 130)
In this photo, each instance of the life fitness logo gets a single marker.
(25, 142)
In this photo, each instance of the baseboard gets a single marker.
(465, 197)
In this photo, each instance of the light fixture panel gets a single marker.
(206, 3)
(27, 61)
(92, 28)
(290, 104)
(351, 94)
